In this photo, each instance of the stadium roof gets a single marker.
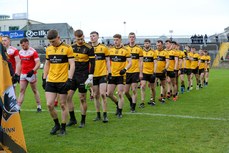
(65, 31)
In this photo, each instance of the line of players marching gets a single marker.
(147, 65)
(121, 66)
(166, 65)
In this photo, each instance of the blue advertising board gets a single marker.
(13, 34)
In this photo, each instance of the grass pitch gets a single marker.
(197, 123)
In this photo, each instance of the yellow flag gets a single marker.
(11, 133)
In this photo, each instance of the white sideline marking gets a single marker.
(149, 114)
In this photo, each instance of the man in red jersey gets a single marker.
(14, 58)
(30, 63)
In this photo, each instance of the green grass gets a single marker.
(197, 123)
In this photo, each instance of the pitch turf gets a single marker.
(197, 123)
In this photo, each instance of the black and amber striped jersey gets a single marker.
(148, 61)
(172, 55)
(58, 58)
(203, 62)
(161, 60)
(187, 60)
(195, 60)
(101, 52)
(84, 59)
(118, 58)
(181, 60)
(136, 53)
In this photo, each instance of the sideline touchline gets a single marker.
(150, 114)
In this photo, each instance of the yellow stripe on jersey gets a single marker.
(58, 58)
(171, 60)
(118, 58)
(148, 61)
(101, 52)
(203, 60)
(194, 62)
(136, 53)
(82, 54)
(188, 61)
(161, 60)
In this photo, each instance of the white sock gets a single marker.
(39, 106)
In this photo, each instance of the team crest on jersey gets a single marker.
(115, 59)
(55, 60)
(62, 50)
(145, 59)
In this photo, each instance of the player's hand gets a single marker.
(164, 71)
(30, 73)
(153, 76)
(123, 71)
(89, 81)
(185, 71)
(16, 78)
(43, 83)
(68, 84)
(109, 76)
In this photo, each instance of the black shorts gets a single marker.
(195, 71)
(116, 80)
(149, 77)
(188, 71)
(182, 71)
(171, 74)
(99, 80)
(79, 83)
(55, 88)
(160, 76)
(201, 71)
(132, 78)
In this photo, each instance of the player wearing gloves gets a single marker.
(102, 68)
(119, 55)
(30, 63)
(89, 81)
(59, 57)
(83, 76)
